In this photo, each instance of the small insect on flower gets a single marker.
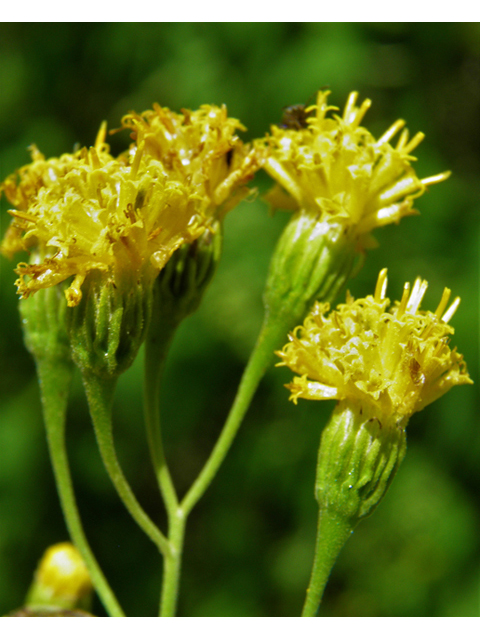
(333, 168)
(295, 117)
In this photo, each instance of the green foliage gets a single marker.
(250, 541)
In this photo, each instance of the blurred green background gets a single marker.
(250, 540)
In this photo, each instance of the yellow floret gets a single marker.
(394, 361)
(94, 212)
(200, 148)
(90, 211)
(336, 169)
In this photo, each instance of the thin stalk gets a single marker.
(272, 336)
(332, 533)
(172, 564)
(157, 345)
(55, 377)
(100, 397)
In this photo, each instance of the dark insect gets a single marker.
(294, 117)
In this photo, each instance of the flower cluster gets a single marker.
(89, 211)
(395, 361)
(335, 168)
(199, 148)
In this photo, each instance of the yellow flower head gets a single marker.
(199, 148)
(62, 574)
(334, 167)
(393, 361)
(90, 211)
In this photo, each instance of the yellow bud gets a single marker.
(61, 578)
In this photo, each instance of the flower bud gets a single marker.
(357, 460)
(107, 327)
(61, 580)
(312, 260)
(180, 286)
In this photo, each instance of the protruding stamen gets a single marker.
(414, 142)
(400, 189)
(321, 104)
(94, 159)
(436, 179)
(402, 141)
(381, 288)
(361, 111)
(101, 135)
(443, 302)
(23, 216)
(282, 176)
(391, 131)
(404, 301)
(418, 291)
(137, 159)
(350, 106)
(36, 155)
(447, 316)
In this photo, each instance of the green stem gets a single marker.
(272, 336)
(100, 396)
(157, 345)
(55, 377)
(172, 564)
(303, 268)
(332, 533)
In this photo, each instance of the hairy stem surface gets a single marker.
(100, 397)
(55, 377)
